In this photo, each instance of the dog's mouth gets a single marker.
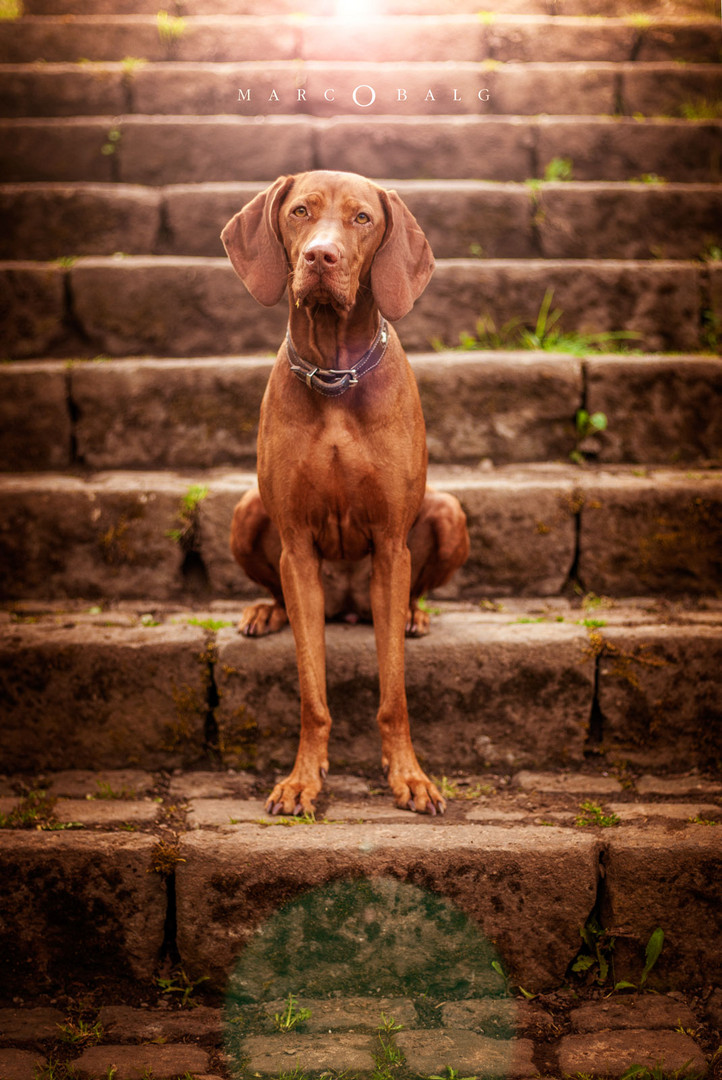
(311, 290)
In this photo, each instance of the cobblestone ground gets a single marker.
(172, 1026)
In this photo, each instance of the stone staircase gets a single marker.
(562, 156)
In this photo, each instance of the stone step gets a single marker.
(470, 37)
(555, 220)
(538, 684)
(162, 150)
(505, 875)
(535, 530)
(171, 306)
(272, 88)
(518, 407)
(95, 306)
(497, 1033)
(656, 9)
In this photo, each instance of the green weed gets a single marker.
(648, 178)
(170, 29)
(130, 64)
(179, 983)
(599, 944)
(209, 624)
(36, 810)
(659, 1072)
(291, 1016)
(451, 789)
(546, 335)
(452, 1074)
(702, 109)
(79, 1033)
(11, 9)
(508, 985)
(106, 791)
(111, 144)
(559, 169)
(388, 1059)
(592, 814)
(586, 424)
(188, 515)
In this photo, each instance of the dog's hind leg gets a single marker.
(256, 547)
(439, 545)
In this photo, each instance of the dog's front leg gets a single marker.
(303, 594)
(390, 584)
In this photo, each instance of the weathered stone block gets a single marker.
(657, 302)
(433, 38)
(529, 892)
(168, 414)
(49, 221)
(636, 1012)
(492, 148)
(625, 149)
(658, 533)
(108, 538)
(652, 883)
(662, 89)
(88, 697)
(578, 89)
(569, 41)
(659, 693)
(62, 90)
(466, 217)
(158, 151)
(135, 1062)
(196, 214)
(20, 1064)
(610, 1053)
(432, 1051)
(35, 426)
(495, 686)
(636, 221)
(170, 307)
(522, 530)
(270, 1054)
(26, 1026)
(659, 409)
(516, 407)
(78, 902)
(695, 39)
(124, 1024)
(64, 148)
(32, 309)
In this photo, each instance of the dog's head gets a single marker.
(328, 235)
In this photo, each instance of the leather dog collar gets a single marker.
(332, 382)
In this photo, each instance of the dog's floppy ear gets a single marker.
(403, 263)
(253, 243)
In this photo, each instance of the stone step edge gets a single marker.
(537, 530)
(622, 869)
(590, 89)
(146, 147)
(64, 421)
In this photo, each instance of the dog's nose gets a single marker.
(322, 253)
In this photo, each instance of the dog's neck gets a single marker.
(329, 338)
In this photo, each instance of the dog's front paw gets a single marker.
(417, 793)
(295, 796)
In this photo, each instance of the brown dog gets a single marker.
(341, 454)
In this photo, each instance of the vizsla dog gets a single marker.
(342, 523)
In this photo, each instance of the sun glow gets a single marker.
(356, 10)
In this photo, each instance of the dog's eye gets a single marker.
(363, 218)
(300, 211)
